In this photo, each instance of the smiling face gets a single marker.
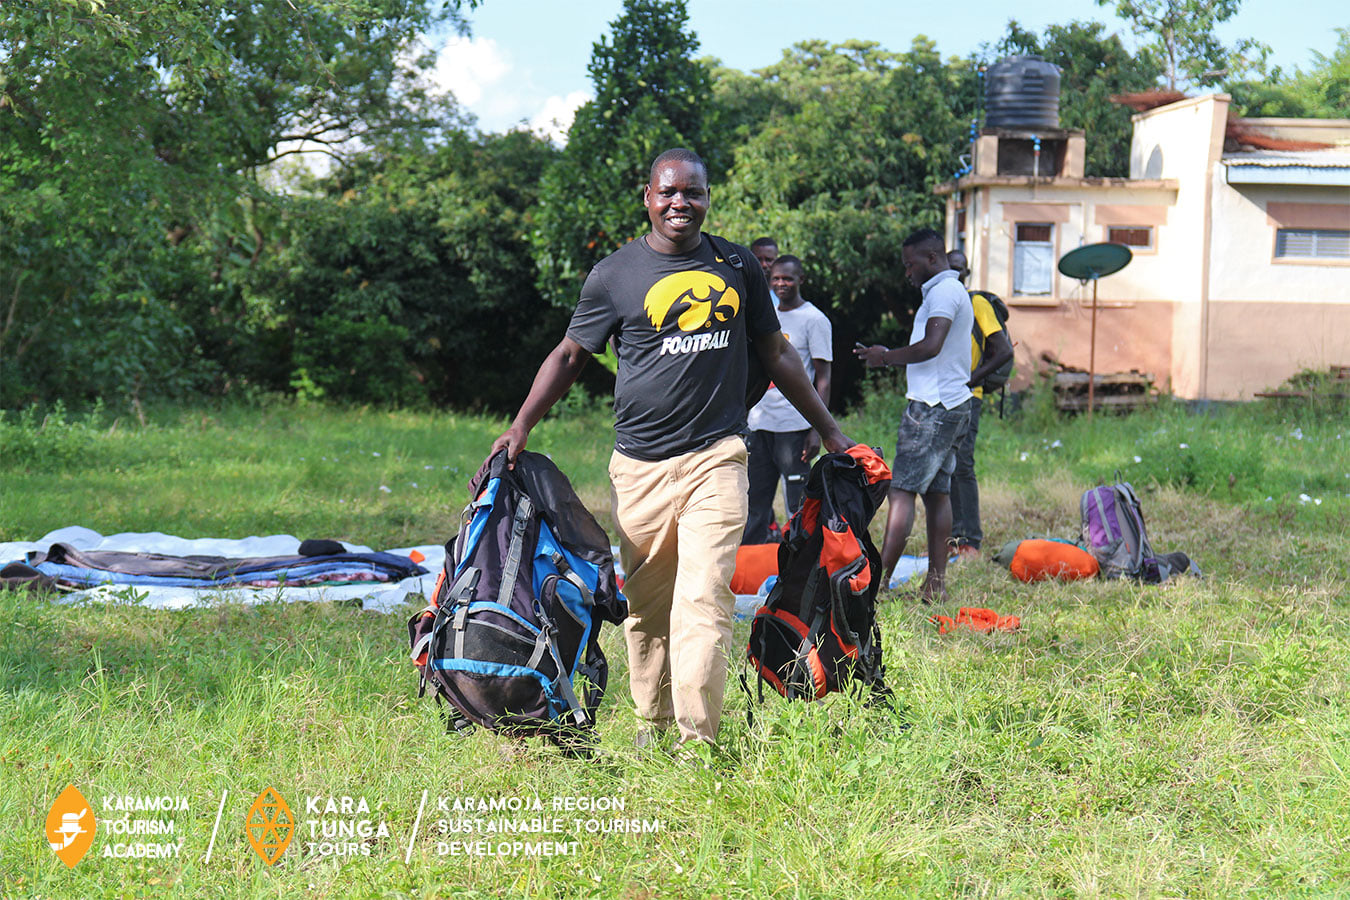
(677, 202)
(786, 280)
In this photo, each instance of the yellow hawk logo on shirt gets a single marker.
(696, 297)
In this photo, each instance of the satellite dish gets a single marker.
(1092, 261)
(1088, 263)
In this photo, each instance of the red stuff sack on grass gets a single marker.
(1037, 560)
(755, 563)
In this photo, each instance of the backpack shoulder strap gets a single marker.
(723, 249)
(996, 304)
(757, 380)
(727, 251)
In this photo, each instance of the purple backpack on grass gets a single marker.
(1113, 532)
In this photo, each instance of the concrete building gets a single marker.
(1240, 230)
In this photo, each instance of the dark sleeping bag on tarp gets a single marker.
(70, 567)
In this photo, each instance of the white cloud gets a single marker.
(487, 83)
(555, 117)
(469, 67)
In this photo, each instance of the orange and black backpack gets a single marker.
(817, 631)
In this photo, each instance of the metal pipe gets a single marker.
(1092, 352)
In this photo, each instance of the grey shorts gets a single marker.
(925, 448)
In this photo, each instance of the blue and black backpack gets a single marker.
(516, 612)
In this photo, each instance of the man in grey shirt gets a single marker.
(682, 316)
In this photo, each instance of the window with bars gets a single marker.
(1312, 243)
(1140, 236)
(1033, 258)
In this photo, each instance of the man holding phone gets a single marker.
(937, 369)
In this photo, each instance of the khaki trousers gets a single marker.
(680, 522)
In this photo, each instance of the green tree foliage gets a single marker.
(650, 95)
(1181, 33)
(1093, 67)
(130, 210)
(1323, 92)
(410, 279)
(146, 249)
(842, 166)
(746, 101)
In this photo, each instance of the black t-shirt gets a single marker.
(680, 323)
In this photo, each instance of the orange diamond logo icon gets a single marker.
(270, 826)
(70, 826)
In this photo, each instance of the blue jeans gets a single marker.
(925, 447)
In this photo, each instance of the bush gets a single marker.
(33, 441)
(357, 361)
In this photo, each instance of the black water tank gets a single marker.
(1022, 92)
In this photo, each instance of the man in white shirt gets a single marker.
(937, 363)
(782, 443)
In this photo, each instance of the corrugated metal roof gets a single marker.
(1309, 159)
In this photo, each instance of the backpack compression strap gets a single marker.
(1101, 513)
(595, 669)
(456, 598)
(567, 572)
(517, 549)
(546, 633)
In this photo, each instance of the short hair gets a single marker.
(787, 259)
(764, 242)
(953, 256)
(927, 239)
(678, 154)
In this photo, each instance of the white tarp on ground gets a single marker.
(380, 597)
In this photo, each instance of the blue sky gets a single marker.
(525, 60)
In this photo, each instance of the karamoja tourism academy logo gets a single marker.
(697, 299)
(70, 826)
(270, 826)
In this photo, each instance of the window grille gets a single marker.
(1312, 243)
(1033, 258)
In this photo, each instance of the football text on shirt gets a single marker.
(698, 300)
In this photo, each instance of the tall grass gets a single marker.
(1185, 740)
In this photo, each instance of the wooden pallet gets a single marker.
(1120, 391)
(1110, 382)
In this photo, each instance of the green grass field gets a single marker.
(1186, 740)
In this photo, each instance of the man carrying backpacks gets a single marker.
(681, 312)
(990, 349)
